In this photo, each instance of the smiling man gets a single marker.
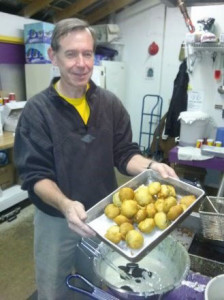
(68, 140)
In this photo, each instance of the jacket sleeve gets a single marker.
(33, 155)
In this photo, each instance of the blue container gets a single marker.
(220, 135)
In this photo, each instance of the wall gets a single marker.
(12, 56)
(150, 21)
(140, 25)
(12, 25)
(202, 76)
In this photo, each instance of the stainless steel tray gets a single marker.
(100, 223)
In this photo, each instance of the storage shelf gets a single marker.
(12, 196)
(210, 47)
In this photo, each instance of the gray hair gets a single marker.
(65, 26)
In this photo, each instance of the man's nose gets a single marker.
(80, 60)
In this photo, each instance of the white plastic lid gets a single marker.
(190, 116)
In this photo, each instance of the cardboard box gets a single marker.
(40, 32)
(7, 176)
(37, 53)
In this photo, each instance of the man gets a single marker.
(68, 140)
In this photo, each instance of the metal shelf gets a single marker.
(210, 47)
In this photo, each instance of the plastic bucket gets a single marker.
(191, 131)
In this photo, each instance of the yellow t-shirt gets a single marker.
(80, 104)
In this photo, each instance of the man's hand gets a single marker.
(164, 170)
(139, 163)
(73, 211)
(76, 216)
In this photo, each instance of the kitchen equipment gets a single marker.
(214, 288)
(94, 293)
(193, 126)
(212, 150)
(92, 247)
(160, 271)
(212, 221)
(98, 221)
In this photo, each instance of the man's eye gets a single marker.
(70, 54)
(88, 54)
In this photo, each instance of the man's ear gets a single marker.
(52, 56)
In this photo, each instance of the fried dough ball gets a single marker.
(171, 190)
(151, 210)
(174, 212)
(134, 239)
(188, 200)
(184, 206)
(126, 193)
(111, 211)
(164, 191)
(120, 219)
(147, 225)
(154, 188)
(168, 203)
(129, 208)
(124, 228)
(116, 200)
(161, 220)
(113, 234)
(140, 215)
(142, 196)
(159, 204)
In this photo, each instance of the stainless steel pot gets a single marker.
(160, 271)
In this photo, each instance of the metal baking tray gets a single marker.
(212, 150)
(100, 223)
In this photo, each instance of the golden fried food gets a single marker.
(121, 219)
(140, 215)
(184, 206)
(134, 239)
(164, 191)
(124, 228)
(142, 196)
(151, 210)
(159, 204)
(147, 225)
(168, 203)
(111, 211)
(188, 200)
(154, 188)
(126, 193)
(174, 212)
(129, 208)
(161, 220)
(116, 200)
(172, 191)
(113, 234)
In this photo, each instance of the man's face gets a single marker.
(75, 58)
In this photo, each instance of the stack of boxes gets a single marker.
(37, 39)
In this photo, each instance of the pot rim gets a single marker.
(161, 291)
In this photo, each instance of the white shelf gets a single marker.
(209, 47)
(12, 196)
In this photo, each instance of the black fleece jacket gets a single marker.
(53, 142)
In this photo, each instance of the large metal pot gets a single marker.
(160, 271)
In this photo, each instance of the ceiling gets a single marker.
(94, 11)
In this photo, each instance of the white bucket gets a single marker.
(193, 126)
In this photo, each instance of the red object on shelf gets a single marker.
(217, 74)
(153, 49)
